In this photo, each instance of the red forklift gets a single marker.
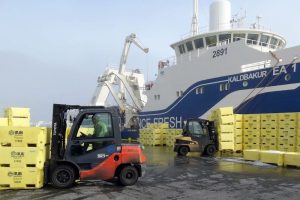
(91, 157)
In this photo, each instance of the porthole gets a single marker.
(287, 77)
(245, 83)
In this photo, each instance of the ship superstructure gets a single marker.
(249, 68)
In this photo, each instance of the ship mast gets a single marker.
(195, 28)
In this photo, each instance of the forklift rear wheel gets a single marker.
(183, 151)
(210, 150)
(128, 176)
(63, 176)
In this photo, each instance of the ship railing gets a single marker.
(167, 62)
(231, 26)
(256, 66)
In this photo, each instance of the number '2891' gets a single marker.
(219, 52)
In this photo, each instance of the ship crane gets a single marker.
(130, 85)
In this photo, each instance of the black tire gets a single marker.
(63, 176)
(210, 150)
(183, 151)
(128, 176)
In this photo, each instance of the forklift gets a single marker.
(198, 135)
(91, 156)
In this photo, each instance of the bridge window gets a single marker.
(252, 39)
(225, 38)
(273, 43)
(199, 43)
(157, 97)
(189, 46)
(239, 36)
(181, 48)
(211, 41)
(280, 43)
(264, 40)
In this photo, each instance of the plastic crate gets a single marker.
(226, 137)
(238, 139)
(226, 119)
(268, 140)
(238, 147)
(238, 132)
(251, 154)
(17, 112)
(272, 117)
(21, 178)
(19, 122)
(269, 125)
(286, 148)
(251, 145)
(24, 136)
(238, 118)
(224, 111)
(267, 147)
(225, 129)
(252, 118)
(226, 145)
(252, 125)
(268, 133)
(287, 117)
(251, 133)
(291, 159)
(251, 140)
(238, 125)
(21, 157)
(286, 133)
(272, 157)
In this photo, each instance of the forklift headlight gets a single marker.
(119, 148)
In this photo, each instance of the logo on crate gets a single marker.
(14, 174)
(16, 133)
(15, 154)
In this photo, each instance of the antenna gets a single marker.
(258, 18)
(195, 25)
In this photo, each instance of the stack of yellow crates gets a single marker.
(143, 136)
(269, 129)
(251, 132)
(158, 134)
(224, 121)
(171, 136)
(24, 151)
(238, 132)
(287, 132)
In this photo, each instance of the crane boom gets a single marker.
(129, 83)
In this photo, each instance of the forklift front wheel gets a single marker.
(128, 175)
(63, 176)
(183, 151)
(210, 150)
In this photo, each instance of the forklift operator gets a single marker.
(100, 128)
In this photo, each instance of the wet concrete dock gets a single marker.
(192, 177)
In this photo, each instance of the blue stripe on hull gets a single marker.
(195, 105)
(273, 102)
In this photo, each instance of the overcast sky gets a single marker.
(52, 51)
